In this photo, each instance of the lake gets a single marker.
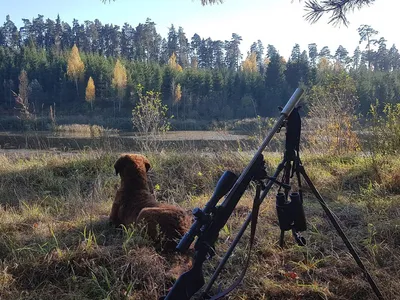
(43, 140)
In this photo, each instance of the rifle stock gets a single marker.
(210, 220)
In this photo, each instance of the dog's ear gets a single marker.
(116, 170)
(119, 165)
(146, 164)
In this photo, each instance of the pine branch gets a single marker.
(205, 2)
(338, 9)
(317, 8)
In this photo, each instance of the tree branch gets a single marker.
(338, 9)
(317, 8)
(205, 2)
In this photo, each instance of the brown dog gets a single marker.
(134, 203)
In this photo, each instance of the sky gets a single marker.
(277, 22)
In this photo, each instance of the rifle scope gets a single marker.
(224, 184)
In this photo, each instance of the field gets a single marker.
(55, 241)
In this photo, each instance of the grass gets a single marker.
(84, 129)
(55, 241)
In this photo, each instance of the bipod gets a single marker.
(290, 213)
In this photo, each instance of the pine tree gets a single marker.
(313, 54)
(90, 92)
(275, 82)
(341, 56)
(356, 58)
(172, 40)
(366, 33)
(382, 57)
(35, 94)
(325, 52)
(394, 58)
(75, 68)
(233, 55)
(183, 57)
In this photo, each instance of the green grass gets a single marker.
(55, 241)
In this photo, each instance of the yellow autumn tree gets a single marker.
(76, 67)
(90, 92)
(324, 64)
(250, 63)
(177, 93)
(22, 97)
(324, 67)
(173, 63)
(119, 81)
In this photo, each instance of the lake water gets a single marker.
(124, 141)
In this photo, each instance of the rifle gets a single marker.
(210, 220)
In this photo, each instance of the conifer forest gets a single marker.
(91, 68)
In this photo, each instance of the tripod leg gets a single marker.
(340, 232)
(282, 238)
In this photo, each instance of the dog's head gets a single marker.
(132, 165)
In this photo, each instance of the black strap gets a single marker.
(254, 217)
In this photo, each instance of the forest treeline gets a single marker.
(199, 78)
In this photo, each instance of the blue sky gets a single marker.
(276, 22)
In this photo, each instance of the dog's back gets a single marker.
(128, 205)
(133, 194)
(165, 224)
(134, 203)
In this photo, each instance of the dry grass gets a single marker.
(55, 241)
(85, 130)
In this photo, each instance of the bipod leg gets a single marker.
(341, 232)
(286, 167)
(228, 253)
(282, 238)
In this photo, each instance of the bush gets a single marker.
(149, 117)
(385, 129)
(332, 105)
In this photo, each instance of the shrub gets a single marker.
(332, 105)
(385, 129)
(149, 117)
